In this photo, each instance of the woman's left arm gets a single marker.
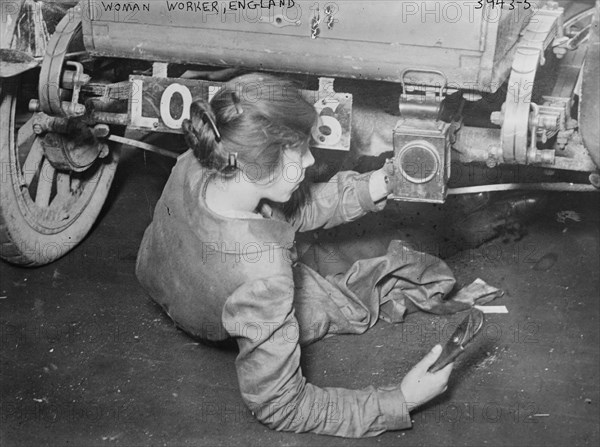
(346, 197)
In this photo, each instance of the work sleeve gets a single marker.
(344, 198)
(260, 316)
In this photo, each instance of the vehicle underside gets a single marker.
(518, 90)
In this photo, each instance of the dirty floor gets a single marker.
(88, 360)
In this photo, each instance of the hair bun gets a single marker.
(203, 136)
(189, 133)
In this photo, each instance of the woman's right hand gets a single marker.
(420, 386)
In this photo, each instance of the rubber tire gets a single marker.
(20, 242)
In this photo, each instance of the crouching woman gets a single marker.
(219, 257)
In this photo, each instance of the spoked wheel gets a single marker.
(44, 212)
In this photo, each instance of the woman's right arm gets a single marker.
(260, 316)
(347, 196)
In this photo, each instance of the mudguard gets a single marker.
(26, 28)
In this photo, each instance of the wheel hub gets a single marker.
(72, 154)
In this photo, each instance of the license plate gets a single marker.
(161, 105)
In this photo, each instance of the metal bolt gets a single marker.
(491, 162)
(548, 121)
(560, 52)
(84, 79)
(101, 130)
(472, 96)
(548, 156)
(103, 150)
(545, 156)
(34, 105)
(38, 129)
(563, 138)
(74, 109)
(494, 156)
(497, 118)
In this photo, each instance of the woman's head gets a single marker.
(262, 123)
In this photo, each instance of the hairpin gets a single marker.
(232, 162)
(207, 118)
(236, 102)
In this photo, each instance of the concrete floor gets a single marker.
(88, 359)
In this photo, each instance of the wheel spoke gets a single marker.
(63, 186)
(32, 162)
(44, 187)
(25, 139)
(75, 184)
(25, 133)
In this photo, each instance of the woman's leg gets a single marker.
(322, 309)
(384, 287)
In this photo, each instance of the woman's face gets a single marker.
(289, 175)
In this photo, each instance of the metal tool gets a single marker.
(464, 333)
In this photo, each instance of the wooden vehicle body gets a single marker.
(376, 40)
